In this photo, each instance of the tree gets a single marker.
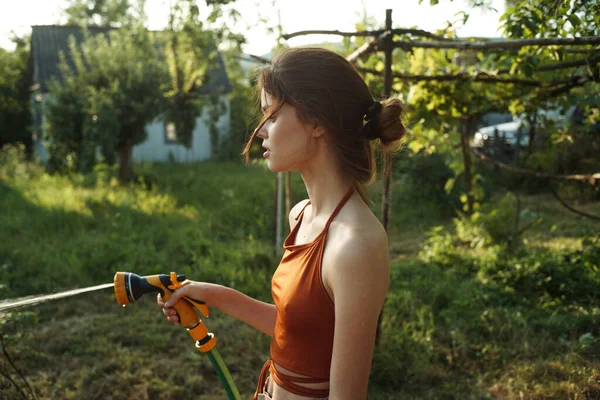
(534, 81)
(191, 52)
(114, 90)
(111, 13)
(575, 76)
(15, 114)
(129, 77)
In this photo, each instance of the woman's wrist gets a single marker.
(212, 294)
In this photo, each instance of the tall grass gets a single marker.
(459, 323)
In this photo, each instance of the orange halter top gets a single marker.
(303, 336)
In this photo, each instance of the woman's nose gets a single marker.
(262, 132)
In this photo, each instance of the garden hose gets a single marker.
(130, 287)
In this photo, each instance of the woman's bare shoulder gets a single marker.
(358, 224)
(295, 211)
(358, 233)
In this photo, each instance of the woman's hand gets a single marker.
(195, 290)
(255, 313)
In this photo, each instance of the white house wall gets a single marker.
(40, 147)
(156, 149)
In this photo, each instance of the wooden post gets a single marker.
(532, 124)
(288, 196)
(517, 151)
(387, 86)
(495, 148)
(465, 133)
(279, 210)
(387, 167)
(275, 215)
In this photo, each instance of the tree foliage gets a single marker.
(129, 77)
(114, 90)
(111, 13)
(527, 81)
(15, 114)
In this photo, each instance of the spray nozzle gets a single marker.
(129, 287)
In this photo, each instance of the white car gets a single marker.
(510, 131)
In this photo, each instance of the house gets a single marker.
(161, 144)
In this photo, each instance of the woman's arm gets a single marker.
(359, 281)
(255, 313)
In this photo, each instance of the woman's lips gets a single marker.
(267, 153)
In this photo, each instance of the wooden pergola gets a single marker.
(383, 40)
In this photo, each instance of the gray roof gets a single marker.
(47, 41)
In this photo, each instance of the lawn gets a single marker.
(459, 322)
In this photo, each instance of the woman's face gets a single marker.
(285, 138)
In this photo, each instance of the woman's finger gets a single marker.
(160, 301)
(176, 295)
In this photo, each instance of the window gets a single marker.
(170, 133)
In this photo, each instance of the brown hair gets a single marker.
(323, 86)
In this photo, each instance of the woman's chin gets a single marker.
(273, 167)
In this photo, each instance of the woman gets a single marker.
(319, 119)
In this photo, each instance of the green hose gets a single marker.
(223, 374)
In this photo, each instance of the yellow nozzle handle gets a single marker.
(175, 284)
(205, 341)
(185, 311)
(200, 306)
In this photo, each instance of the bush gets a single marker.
(14, 163)
(421, 181)
(451, 314)
(501, 223)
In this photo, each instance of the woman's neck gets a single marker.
(325, 183)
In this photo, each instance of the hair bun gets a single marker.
(389, 121)
(370, 129)
(372, 111)
(384, 121)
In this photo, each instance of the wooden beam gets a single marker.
(259, 59)
(479, 77)
(582, 51)
(569, 64)
(590, 178)
(554, 66)
(365, 49)
(331, 32)
(497, 44)
(375, 33)
(570, 208)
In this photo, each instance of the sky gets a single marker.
(296, 15)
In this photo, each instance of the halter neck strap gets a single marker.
(335, 211)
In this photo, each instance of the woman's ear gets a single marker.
(317, 130)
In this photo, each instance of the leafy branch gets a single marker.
(375, 33)
(498, 44)
(7, 375)
(590, 178)
(570, 208)
(477, 77)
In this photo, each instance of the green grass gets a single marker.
(458, 323)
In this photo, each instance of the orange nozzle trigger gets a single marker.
(175, 284)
